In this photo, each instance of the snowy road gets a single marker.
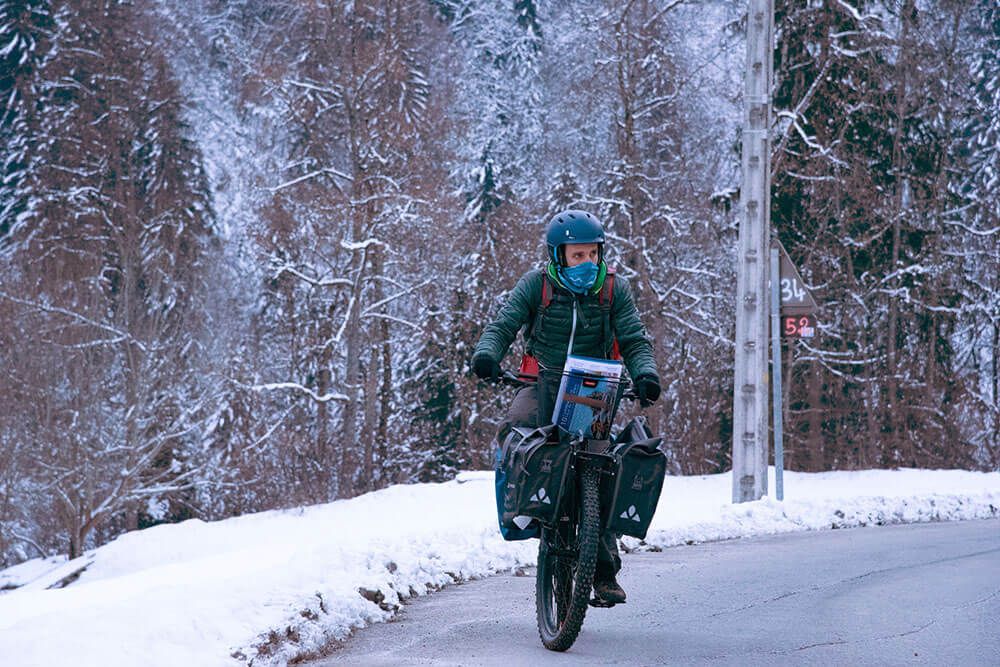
(913, 594)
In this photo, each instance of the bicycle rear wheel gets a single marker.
(566, 560)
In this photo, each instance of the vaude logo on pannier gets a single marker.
(541, 497)
(631, 513)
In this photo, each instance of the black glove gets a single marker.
(486, 368)
(647, 388)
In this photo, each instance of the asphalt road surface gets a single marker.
(924, 594)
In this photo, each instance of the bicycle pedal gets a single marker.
(598, 602)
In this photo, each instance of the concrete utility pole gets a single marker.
(750, 395)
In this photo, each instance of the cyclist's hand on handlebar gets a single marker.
(486, 368)
(647, 390)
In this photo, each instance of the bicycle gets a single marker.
(568, 542)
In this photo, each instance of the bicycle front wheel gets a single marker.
(566, 560)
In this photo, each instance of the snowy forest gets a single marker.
(246, 246)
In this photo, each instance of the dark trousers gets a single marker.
(524, 410)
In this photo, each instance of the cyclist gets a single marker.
(572, 280)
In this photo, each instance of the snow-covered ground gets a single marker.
(271, 586)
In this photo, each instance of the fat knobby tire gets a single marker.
(568, 615)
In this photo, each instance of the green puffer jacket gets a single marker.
(548, 338)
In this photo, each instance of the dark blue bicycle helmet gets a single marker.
(573, 226)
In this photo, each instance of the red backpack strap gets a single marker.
(605, 298)
(545, 298)
(608, 288)
(546, 291)
(529, 364)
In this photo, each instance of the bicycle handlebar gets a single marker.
(512, 379)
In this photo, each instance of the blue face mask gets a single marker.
(579, 278)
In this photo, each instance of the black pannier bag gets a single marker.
(503, 470)
(536, 471)
(641, 469)
(635, 430)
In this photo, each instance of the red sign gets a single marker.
(798, 326)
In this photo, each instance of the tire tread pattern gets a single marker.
(583, 576)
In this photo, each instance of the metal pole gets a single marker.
(750, 396)
(779, 451)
